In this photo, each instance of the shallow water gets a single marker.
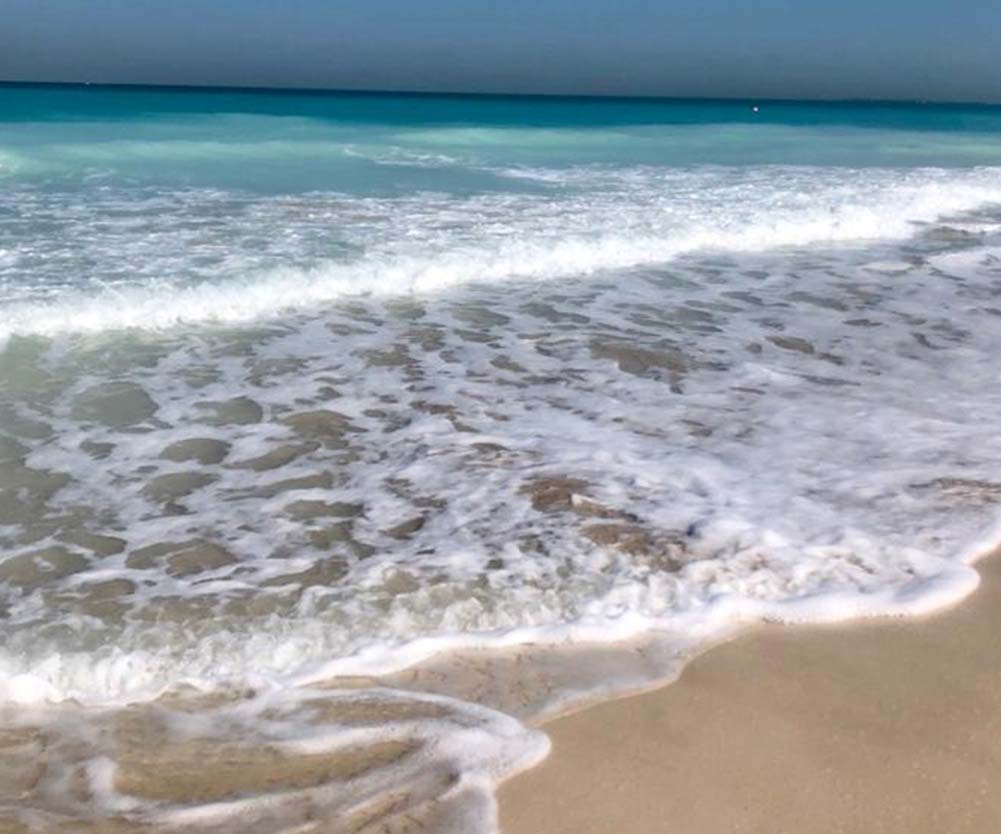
(297, 393)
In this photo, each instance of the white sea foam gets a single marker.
(432, 760)
(616, 410)
(606, 405)
(426, 244)
(512, 417)
(752, 416)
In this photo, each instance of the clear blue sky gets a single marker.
(897, 49)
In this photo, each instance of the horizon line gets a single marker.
(337, 91)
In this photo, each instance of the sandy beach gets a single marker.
(886, 726)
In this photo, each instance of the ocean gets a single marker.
(346, 437)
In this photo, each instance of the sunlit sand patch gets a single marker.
(965, 490)
(196, 773)
(34, 569)
(108, 601)
(238, 411)
(205, 451)
(277, 457)
(330, 428)
(114, 404)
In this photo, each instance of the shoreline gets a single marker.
(875, 726)
(612, 765)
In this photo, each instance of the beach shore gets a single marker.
(883, 726)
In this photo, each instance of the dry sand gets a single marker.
(888, 726)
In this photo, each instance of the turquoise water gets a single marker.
(82, 166)
(149, 238)
(300, 385)
(300, 141)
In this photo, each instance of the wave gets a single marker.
(296, 652)
(508, 238)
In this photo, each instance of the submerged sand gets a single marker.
(888, 726)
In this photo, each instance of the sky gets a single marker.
(873, 49)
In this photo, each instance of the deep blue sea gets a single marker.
(336, 421)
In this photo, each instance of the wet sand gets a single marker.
(888, 726)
